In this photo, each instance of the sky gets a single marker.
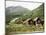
(28, 5)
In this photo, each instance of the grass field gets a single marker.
(24, 28)
(20, 28)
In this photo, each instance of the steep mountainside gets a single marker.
(38, 12)
(13, 12)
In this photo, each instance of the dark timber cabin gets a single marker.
(38, 20)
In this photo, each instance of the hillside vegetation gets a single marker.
(22, 14)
